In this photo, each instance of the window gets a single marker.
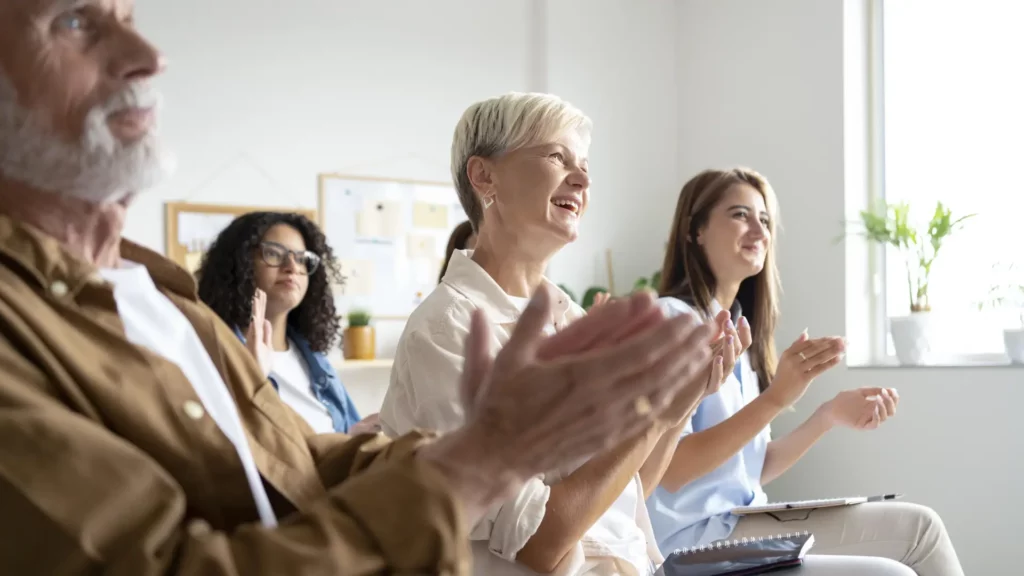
(953, 131)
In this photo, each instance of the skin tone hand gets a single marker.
(800, 364)
(259, 336)
(863, 408)
(368, 425)
(859, 409)
(730, 343)
(600, 298)
(544, 401)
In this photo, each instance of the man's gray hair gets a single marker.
(504, 124)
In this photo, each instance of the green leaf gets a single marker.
(889, 224)
(357, 318)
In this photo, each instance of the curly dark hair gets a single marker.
(227, 277)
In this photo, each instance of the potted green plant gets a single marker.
(644, 283)
(890, 225)
(359, 341)
(1007, 294)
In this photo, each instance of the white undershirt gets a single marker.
(621, 541)
(293, 383)
(152, 321)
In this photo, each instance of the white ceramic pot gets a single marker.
(910, 337)
(1014, 341)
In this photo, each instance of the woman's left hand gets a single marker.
(368, 425)
(600, 298)
(863, 408)
(259, 336)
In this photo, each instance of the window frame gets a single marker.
(878, 321)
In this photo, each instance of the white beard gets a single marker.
(97, 169)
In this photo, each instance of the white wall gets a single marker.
(264, 95)
(614, 59)
(762, 84)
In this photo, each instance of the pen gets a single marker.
(884, 497)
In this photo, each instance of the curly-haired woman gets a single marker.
(268, 275)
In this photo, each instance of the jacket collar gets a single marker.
(467, 278)
(43, 260)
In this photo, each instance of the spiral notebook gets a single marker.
(740, 557)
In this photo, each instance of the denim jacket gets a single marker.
(327, 387)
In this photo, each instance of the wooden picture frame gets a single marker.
(173, 212)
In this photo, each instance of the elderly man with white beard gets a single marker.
(138, 436)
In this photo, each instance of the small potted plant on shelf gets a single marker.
(359, 341)
(890, 225)
(1008, 294)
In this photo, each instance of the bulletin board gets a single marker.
(192, 228)
(389, 237)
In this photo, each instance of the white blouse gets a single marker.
(424, 393)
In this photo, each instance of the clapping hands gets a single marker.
(730, 343)
(863, 408)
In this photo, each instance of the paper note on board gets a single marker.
(427, 215)
(358, 275)
(380, 219)
(422, 246)
(193, 260)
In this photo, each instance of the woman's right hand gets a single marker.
(801, 363)
(259, 336)
(731, 342)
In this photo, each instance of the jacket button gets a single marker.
(194, 410)
(96, 279)
(198, 528)
(58, 288)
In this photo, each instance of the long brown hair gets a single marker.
(687, 276)
(457, 241)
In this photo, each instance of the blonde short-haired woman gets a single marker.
(520, 165)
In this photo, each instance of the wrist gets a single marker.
(825, 414)
(774, 398)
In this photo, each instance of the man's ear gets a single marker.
(481, 176)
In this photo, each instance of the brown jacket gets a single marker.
(107, 466)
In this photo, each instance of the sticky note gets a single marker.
(358, 276)
(430, 216)
(380, 219)
(421, 246)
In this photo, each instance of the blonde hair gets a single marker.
(686, 274)
(505, 123)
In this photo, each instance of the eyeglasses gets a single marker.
(274, 255)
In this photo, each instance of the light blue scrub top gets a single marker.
(698, 513)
